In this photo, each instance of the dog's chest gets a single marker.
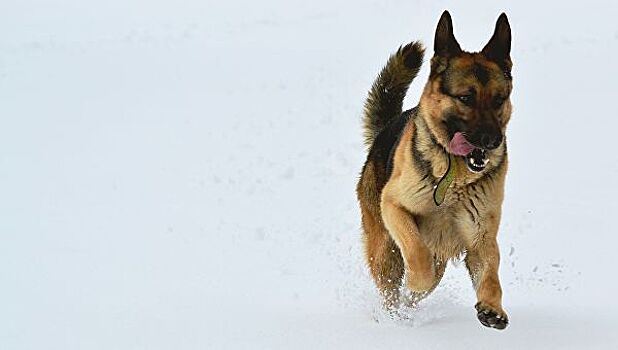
(449, 228)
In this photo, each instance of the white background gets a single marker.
(180, 175)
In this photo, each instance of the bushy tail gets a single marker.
(385, 99)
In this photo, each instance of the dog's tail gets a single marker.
(385, 99)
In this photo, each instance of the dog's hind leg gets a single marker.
(383, 258)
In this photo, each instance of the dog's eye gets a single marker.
(465, 99)
(498, 101)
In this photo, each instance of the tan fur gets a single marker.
(417, 257)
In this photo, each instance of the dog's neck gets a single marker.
(426, 150)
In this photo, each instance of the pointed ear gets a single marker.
(498, 48)
(444, 43)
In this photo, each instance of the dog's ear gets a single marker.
(498, 49)
(445, 44)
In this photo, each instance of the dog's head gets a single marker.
(466, 102)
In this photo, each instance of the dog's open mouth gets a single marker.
(476, 158)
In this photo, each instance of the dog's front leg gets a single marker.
(417, 257)
(482, 261)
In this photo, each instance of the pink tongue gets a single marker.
(459, 145)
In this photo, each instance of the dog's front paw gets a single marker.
(490, 317)
(421, 282)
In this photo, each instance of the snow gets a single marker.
(181, 175)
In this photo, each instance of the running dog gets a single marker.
(432, 186)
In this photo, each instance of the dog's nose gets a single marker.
(491, 141)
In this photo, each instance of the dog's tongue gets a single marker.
(459, 145)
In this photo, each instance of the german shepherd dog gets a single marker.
(431, 189)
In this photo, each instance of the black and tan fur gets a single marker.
(405, 232)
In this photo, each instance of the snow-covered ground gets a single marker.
(180, 175)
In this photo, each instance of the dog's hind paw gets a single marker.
(490, 318)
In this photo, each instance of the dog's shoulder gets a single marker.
(410, 176)
(383, 148)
